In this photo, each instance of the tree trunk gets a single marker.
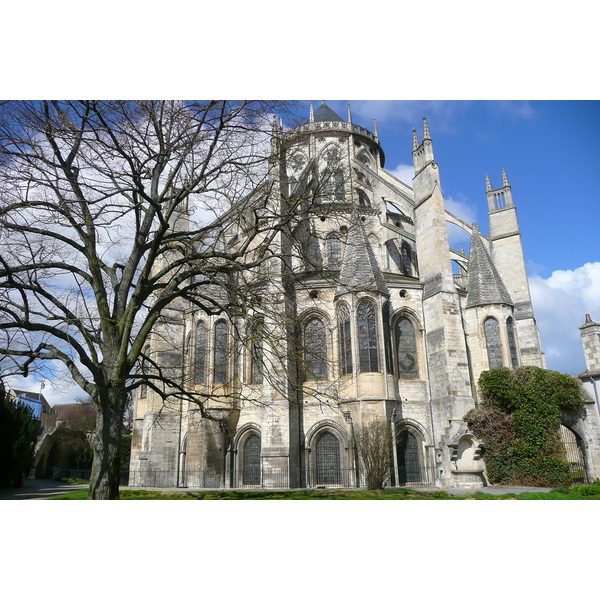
(104, 480)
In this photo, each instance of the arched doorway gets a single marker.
(574, 451)
(409, 458)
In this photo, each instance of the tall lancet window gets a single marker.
(367, 337)
(200, 353)
(512, 344)
(334, 251)
(406, 347)
(256, 352)
(315, 349)
(221, 370)
(345, 339)
(492, 340)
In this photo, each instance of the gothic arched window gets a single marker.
(144, 368)
(512, 344)
(492, 341)
(345, 339)
(200, 353)
(315, 349)
(256, 352)
(334, 251)
(367, 337)
(407, 259)
(406, 349)
(251, 461)
(328, 459)
(221, 357)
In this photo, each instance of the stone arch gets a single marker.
(247, 445)
(327, 445)
(575, 452)
(411, 440)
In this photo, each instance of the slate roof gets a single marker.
(484, 284)
(324, 113)
(360, 271)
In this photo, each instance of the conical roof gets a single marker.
(484, 284)
(360, 271)
(324, 113)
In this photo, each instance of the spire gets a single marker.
(415, 140)
(484, 284)
(505, 179)
(375, 130)
(426, 135)
(488, 185)
(359, 271)
(311, 118)
(349, 114)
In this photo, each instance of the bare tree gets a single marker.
(112, 214)
(373, 442)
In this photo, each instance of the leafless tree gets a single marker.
(373, 442)
(112, 217)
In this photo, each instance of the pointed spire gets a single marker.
(415, 140)
(484, 284)
(505, 179)
(349, 114)
(375, 130)
(359, 271)
(311, 118)
(426, 135)
(488, 185)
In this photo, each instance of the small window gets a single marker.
(256, 353)
(512, 344)
(492, 340)
(334, 251)
(345, 340)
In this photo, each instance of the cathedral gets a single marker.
(369, 314)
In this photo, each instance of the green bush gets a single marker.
(518, 422)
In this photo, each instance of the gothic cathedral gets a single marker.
(371, 315)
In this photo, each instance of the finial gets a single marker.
(415, 140)
(426, 135)
(475, 227)
(311, 118)
(588, 319)
(488, 185)
(349, 114)
(375, 130)
(505, 179)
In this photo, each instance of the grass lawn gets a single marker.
(576, 492)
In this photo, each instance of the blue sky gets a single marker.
(551, 153)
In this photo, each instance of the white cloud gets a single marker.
(561, 302)
(404, 173)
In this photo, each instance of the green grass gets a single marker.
(576, 492)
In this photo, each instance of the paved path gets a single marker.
(39, 489)
(493, 490)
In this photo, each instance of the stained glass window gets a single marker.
(200, 354)
(221, 352)
(256, 353)
(315, 349)
(367, 337)
(512, 344)
(345, 338)
(406, 348)
(334, 251)
(492, 340)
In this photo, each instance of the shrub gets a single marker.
(518, 422)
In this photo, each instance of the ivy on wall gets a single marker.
(518, 422)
